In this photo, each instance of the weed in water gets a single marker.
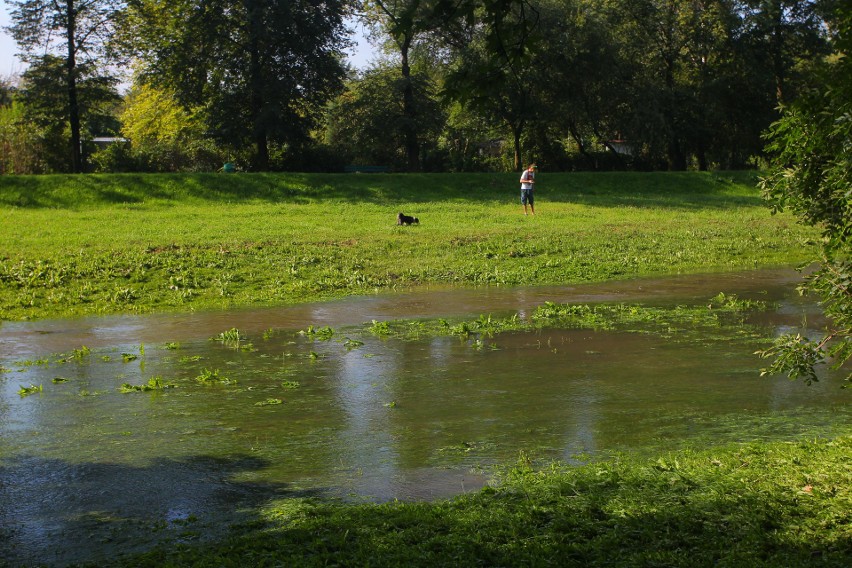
(32, 389)
(269, 402)
(380, 328)
(323, 333)
(79, 354)
(290, 384)
(128, 357)
(351, 344)
(209, 377)
(153, 384)
(58, 380)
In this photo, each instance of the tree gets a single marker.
(810, 175)
(164, 136)
(369, 122)
(77, 32)
(261, 69)
(404, 21)
(493, 72)
(46, 108)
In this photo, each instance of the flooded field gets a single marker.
(148, 429)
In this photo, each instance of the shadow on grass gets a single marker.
(55, 512)
(746, 508)
(694, 190)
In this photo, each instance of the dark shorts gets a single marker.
(526, 196)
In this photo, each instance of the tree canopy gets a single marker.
(811, 175)
(572, 84)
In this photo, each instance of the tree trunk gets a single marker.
(73, 105)
(259, 132)
(412, 146)
(516, 135)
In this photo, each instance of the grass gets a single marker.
(77, 245)
(778, 504)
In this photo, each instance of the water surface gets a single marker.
(87, 471)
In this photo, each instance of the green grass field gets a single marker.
(142, 243)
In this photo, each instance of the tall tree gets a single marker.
(493, 72)
(262, 69)
(404, 21)
(810, 175)
(787, 32)
(369, 122)
(78, 32)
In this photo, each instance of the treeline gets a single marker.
(470, 85)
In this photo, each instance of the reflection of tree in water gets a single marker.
(58, 512)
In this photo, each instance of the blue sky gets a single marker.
(10, 65)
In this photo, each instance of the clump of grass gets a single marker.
(154, 384)
(322, 333)
(208, 376)
(232, 335)
(269, 402)
(32, 389)
(79, 354)
(287, 384)
(58, 380)
(128, 357)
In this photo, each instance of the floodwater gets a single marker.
(88, 471)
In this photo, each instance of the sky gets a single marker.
(10, 65)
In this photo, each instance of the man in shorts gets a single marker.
(527, 184)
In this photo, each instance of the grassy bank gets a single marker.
(775, 504)
(73, 245)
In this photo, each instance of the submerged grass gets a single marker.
(778, 504)
(72, 245)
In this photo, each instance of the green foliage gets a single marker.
(163, 136)
(32, 389)
(812, 159)
(367, 121)
(153, 384)
(261, 71)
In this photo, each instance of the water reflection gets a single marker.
(385, 419)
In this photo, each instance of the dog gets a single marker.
(403, 219)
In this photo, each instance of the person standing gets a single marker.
(527, 185)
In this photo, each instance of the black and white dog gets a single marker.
(403, 219)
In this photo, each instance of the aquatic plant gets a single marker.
(380, 328)
(78, 354)
(230, 336)
(58, 380)
(269, 402)
(171, 345)
(351, 344)
(154, 383)
(323, 333)
(128, 357)
(290, 384)
(32, 389)
(208, 377)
